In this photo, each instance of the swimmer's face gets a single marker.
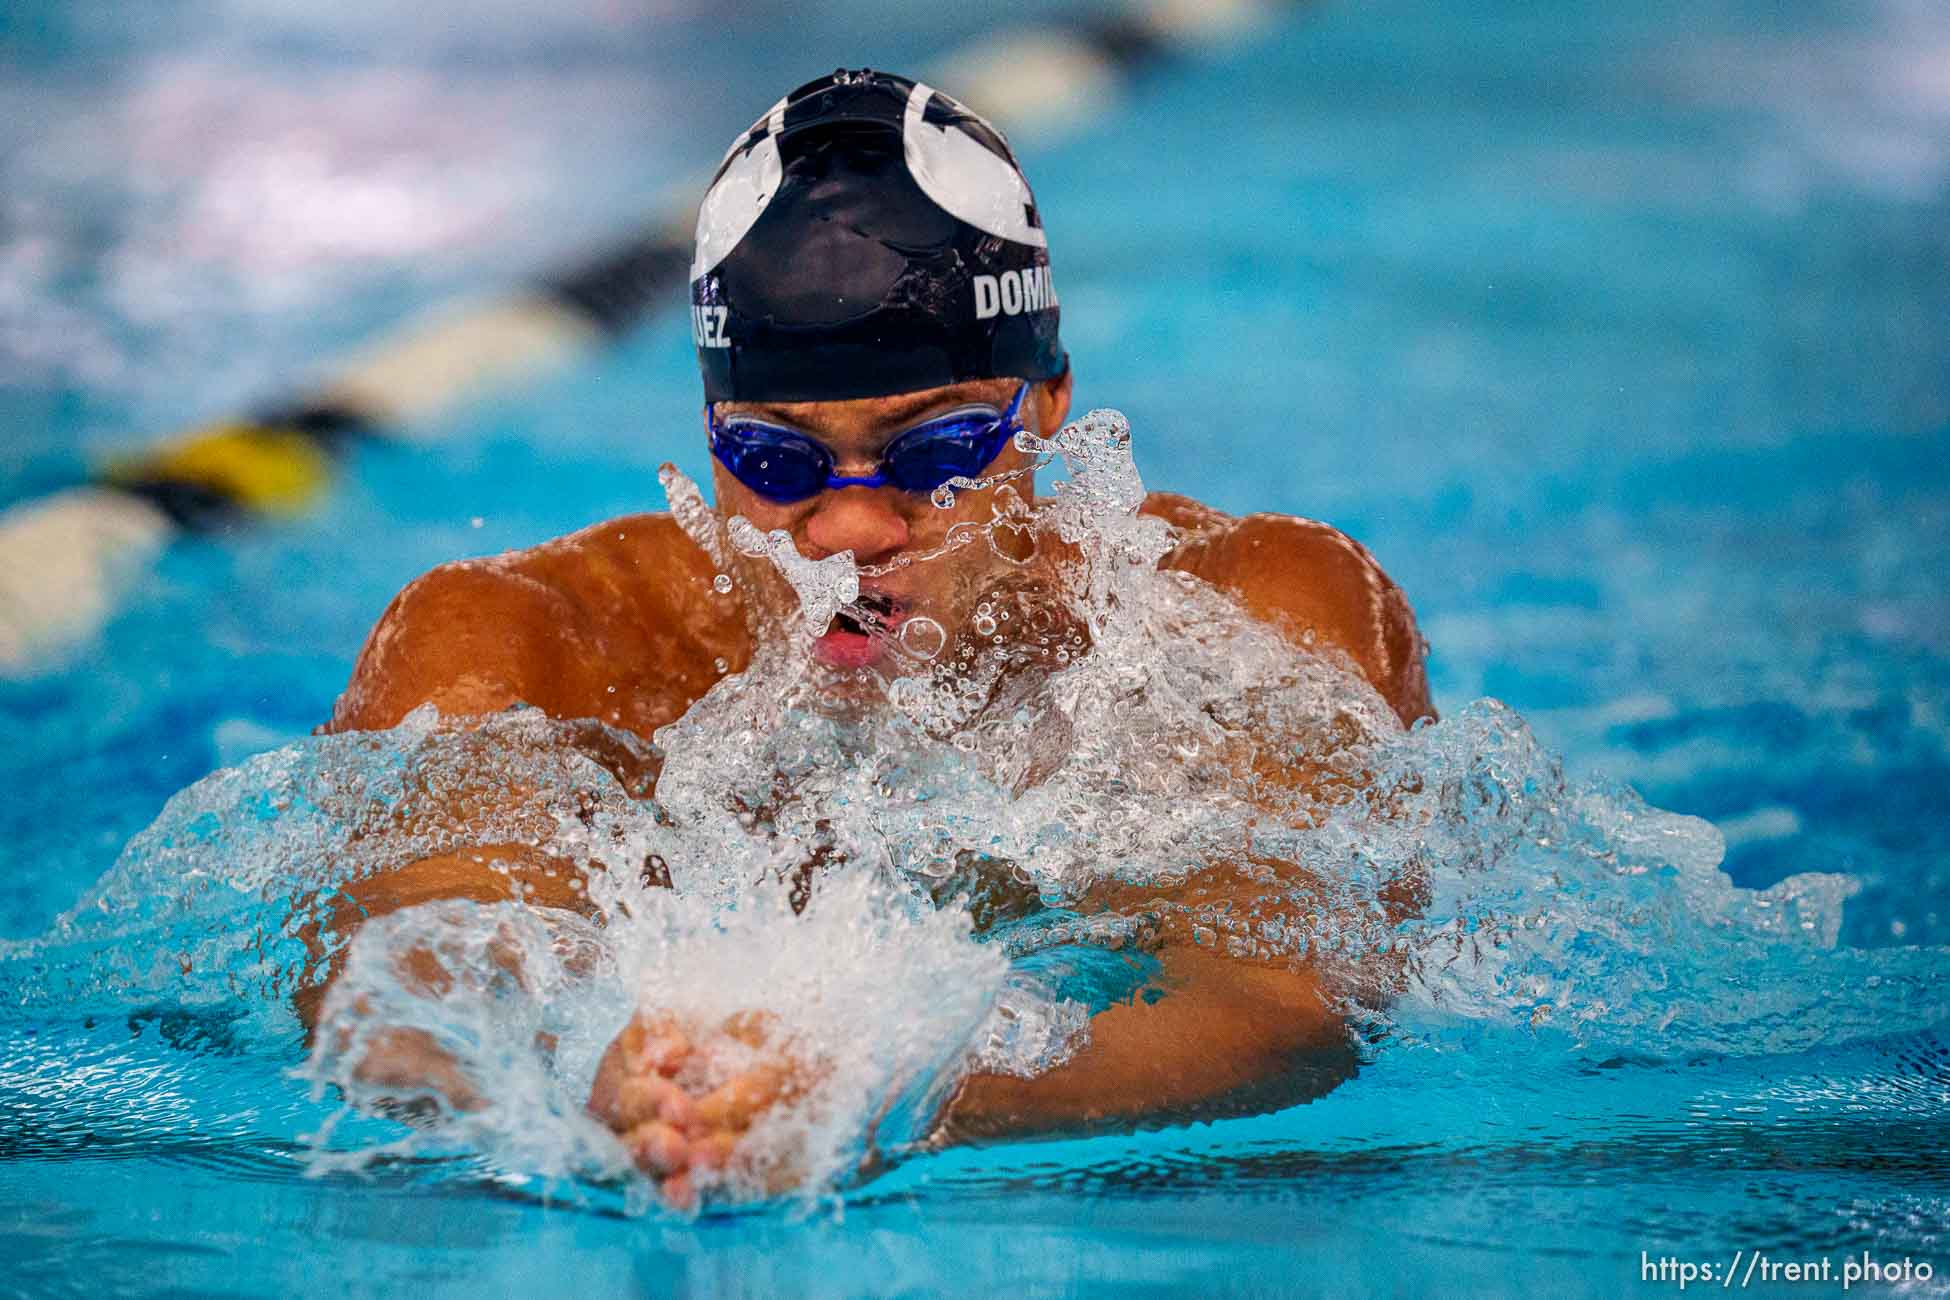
(881, 524)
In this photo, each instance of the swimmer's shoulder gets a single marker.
(627, 603)
(1305, 577)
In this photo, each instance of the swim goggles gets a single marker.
(785, 465)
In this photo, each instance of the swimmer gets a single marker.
(874, 315)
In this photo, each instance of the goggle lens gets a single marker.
(784, 465)
(956, 446)
(772, 462)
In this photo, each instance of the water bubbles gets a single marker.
(908, 695)
(943, 497)
(865, 871)
(922, 637)
(721, 584)
(822, 586)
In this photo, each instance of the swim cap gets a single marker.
(869, 235)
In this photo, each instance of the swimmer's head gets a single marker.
(869, 236)
(869, 259)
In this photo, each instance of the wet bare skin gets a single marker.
(621, 622)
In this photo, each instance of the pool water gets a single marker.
(1619, 337)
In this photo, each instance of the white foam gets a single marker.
(1106, 757)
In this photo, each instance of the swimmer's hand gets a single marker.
(684, 1098)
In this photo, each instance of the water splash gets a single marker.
(823, 586)
(883, 992)
(1105, 760)
(692, 514)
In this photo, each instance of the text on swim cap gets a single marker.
(707, 327)
(1013, 292)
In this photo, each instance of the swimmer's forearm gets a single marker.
(484, 874)
(407, 1064)
(1231, 1039)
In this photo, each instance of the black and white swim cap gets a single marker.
(869, 236)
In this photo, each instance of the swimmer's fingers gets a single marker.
(652, 1041)
(625, 1095)
(660, 1151)
(680, 1192)
(655, 1042)
(713, 1150)
(752, 1028)
(768, 1173)
(658, 1148)
(645, 1097)
(664, 1052)
(734, 1105)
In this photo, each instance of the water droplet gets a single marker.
(722, 583)
(721, 665)
(922, 637)
(984, 623)
(687, 508)
(943, 497)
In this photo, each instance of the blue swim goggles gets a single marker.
(784, 465)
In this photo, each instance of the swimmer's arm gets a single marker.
(463, 638)
(1227, 1039)
(1312, 581)
(486, 874)
(474, 638)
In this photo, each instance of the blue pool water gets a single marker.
(1621, 335)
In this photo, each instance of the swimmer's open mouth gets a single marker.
(877, 614)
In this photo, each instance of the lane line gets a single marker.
(67, 560)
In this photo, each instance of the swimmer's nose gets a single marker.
(858, 519)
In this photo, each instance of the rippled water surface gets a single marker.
(1618, 337)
